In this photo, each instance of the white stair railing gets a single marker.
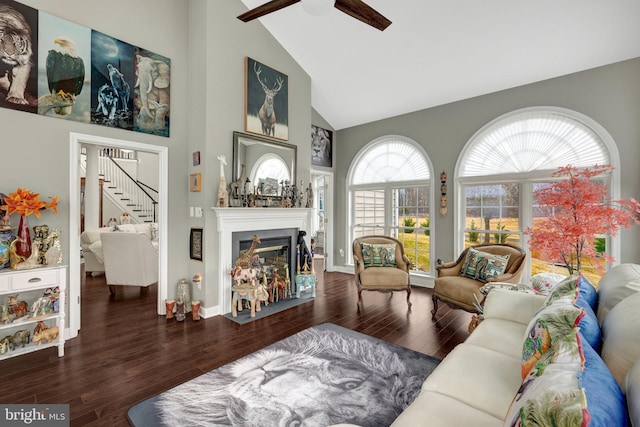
(124, 191)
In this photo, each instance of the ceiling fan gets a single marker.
(355, 8)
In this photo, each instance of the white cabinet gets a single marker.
(41, 292)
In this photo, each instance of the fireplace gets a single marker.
(275, 250)
(251, 220)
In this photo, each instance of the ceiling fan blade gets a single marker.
(361, 11)
(266, 8)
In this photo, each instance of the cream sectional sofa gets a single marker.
(92, 245)
(477, 382)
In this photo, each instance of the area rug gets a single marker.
(321, 376)
(244, 316)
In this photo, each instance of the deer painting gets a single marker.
(267, 113)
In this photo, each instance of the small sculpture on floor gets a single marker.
(305, 261)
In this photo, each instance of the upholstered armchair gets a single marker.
(130, 259)
(381, 265)
(458, 282)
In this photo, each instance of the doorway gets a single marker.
(75, 148)
(322, 224)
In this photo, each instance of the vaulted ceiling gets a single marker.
(437, 52)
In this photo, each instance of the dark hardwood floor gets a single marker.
(126, 353)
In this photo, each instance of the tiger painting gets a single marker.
(15, 54)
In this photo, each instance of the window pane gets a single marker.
(539, 265)
(492, 214)
(412, 224)
(368, 210)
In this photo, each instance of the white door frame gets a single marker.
(329, 217)
(76, 141)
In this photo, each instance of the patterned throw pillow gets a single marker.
(378, 255)
(483, 266)
(543, 282)
(548, 328)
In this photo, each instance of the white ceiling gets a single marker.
(436, 52)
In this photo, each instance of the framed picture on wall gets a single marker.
(195, 244)
(266, 100)
(321, 146)
(196, 158)
(195, 182)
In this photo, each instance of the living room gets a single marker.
(207, 47)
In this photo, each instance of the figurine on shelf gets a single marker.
(22, 336)
(47, 335)
(5, 344)
(39, 307)
(223, 194)
(17, 308)
(40, 326)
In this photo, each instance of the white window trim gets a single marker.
(387, 187)
(527, 179)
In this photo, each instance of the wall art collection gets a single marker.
(54, 67)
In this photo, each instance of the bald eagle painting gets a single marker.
(65, 73)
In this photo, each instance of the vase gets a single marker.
(23, 245)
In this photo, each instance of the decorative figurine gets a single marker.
(48, 335)
(17, 308)
(223, 194)
(305, 260)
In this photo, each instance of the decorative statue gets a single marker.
(305, 260)
(223, 194)
(309, 196)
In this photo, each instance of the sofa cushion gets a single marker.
(621, 337)
(470, 371)
(384, 278)
(483, 266)
(502, 336)
(631, 390)
(434, 409)
(378, 254)
(618, 283)
(605, 402)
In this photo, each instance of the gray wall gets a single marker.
(218, 45)
(610, 95)
(207, 46)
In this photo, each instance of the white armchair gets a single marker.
(130, 259)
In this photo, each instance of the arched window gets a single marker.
(390, 193)
(504, 162)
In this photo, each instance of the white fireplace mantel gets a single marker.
(231, 220)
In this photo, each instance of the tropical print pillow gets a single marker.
(483, 266)
(548, 329)
(378, 255)
(551, 393)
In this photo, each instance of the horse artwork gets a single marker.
(266, 101)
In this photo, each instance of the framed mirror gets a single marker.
(267, 163)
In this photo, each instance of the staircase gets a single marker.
(130, 195)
